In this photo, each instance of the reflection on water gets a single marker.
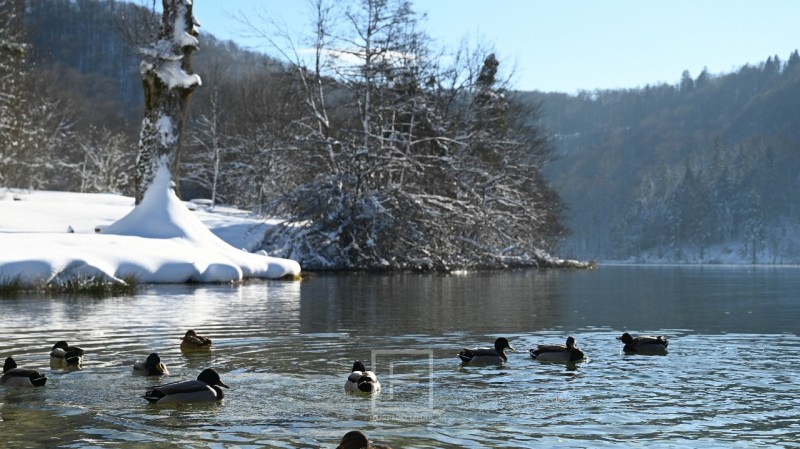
(412, 303)
(706, 299)
(285, 349)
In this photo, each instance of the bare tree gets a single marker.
(107, 161)
(404, 162)
(203, 166)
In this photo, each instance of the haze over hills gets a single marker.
(702, 170)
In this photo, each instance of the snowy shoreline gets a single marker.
(50, 236)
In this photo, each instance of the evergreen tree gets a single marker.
(754, 233)
(703, 79)
(687, 83)
(793, 62)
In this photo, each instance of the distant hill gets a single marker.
(705, 170)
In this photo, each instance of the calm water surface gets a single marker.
(729, 380)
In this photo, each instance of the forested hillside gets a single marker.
(705, 170)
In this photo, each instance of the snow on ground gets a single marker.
(46, 236)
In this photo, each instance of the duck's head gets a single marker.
(154, 361)
(189, 333)
(9, 364)
(501, 344)
(626, 338)
(211, 377)
(570, 342)
(354, 440)
(61, 345)
(358, 366)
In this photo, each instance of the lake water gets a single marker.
(285, 347)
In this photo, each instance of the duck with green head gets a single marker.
(357, 440)
(361, 381)
(486, 356)
(204, 389)
(568, 352)
(644, 344)
(63, 355)
(152, 366)
(21, 377)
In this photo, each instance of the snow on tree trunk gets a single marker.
(168, 83)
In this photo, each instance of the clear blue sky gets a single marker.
(569, 45)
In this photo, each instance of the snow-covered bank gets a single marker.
(47, 236)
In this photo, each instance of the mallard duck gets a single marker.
(557, 353)
(644, 344)
(65, 355)
(152, 366)
(204, 389)
(487, 356)
(13, 376)
(357, 440)
(192, 342)
(361, 380)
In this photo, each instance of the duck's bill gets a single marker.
(222, 384)
(511, 349)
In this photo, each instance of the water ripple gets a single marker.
(286, 363)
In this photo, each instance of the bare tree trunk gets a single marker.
(168, 83)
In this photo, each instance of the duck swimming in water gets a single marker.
(193, 342)
(357, 440)
(558, 353)
(644, 344)
(64, 355)
(361, 381)
(152, 366)
(14, 376)
(487, 356)
(204, 389)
